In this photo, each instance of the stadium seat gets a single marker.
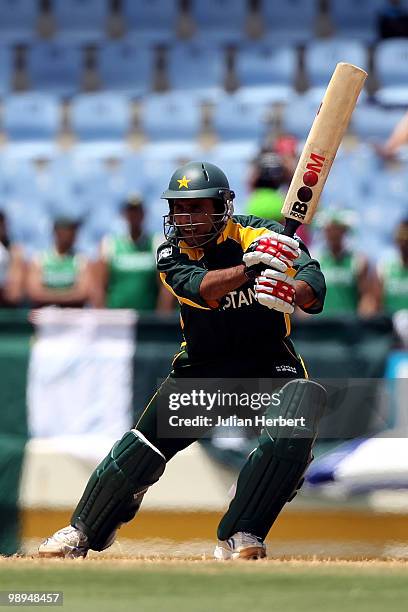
(6, 69)
(356, 19)
(220, 21)
(154, 21)
(236, 150)
(18, 188)
(235, 120)
(196, 67)
(18, 21)
(126, 67)
(80, 21)
(266, 74)
(156, 180)
(31, 122)
(173, 150)
(298, 116)
(391, 64)
(101, 121)
(171, 115)
(321, 57)
(289, 22)
(55, 67)
(374, 123)
(339, 191)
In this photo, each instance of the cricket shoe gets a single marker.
(69, 543)
(240, 546)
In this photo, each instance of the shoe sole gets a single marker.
(252, 553)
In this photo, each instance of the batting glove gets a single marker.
(272, 250)
(276, 290)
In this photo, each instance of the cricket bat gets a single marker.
(321, 146)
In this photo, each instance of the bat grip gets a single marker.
(291, 226)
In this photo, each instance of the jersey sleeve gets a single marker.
(305, 268)
(181, 276)
(308, 270)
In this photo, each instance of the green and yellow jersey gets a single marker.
(132, 276)
(237, 324)
(394, 277)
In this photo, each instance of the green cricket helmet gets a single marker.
(197, 180)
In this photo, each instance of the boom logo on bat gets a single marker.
(310, 179)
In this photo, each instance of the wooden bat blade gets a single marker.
(322, 143)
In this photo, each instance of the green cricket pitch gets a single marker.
(166, 585)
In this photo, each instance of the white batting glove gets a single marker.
(276, 290)
(273, 250)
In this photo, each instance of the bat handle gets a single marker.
(291, 226)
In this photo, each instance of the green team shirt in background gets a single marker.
(237, 326)
(265, 203)
(394, 276)
(341, 281)
(132, 276)
(60, 271)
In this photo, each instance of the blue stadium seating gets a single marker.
(55, 67)
(220, 21)
(266, 74)
(196, 67)
(299, 115)
(6, 69)
(126, 67)
(18, 21)
(289, 22)
(391, 64)
(21, 200)
(321, 57)
(101, 117)
(172, 115)
(235, 120)
(173, 150)
(374, 123)
(80, 21)
(31, 122)
(154, 21)
(156, 180)
(356, 18)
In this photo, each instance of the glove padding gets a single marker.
(273, 250)
(276, 290)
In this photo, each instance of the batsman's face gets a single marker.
(193, 219)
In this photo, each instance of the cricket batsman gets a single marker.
(237, 280)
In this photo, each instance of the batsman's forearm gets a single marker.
(218, 283)
(305, 296)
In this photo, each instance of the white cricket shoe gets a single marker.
(68, 542)
(240, 546)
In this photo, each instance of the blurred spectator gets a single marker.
(267, 178)
(60, 276)
(397, 139)
(349, 284)
(125, 274)
(12, 269)
(286, 146)
(393, 20)
(271, 174)
(393, 274)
